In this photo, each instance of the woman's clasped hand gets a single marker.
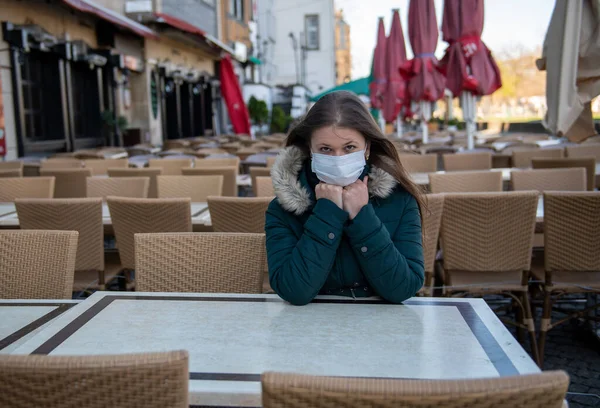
(351, 198)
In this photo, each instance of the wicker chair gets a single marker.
(487, 239)
(586, 150)
(544, 390)
(11, 165)
(224, 162)
(522, 158)
(258, 172)
(26, 187)
(63, 163)
(467, 161)
(200, 262)
(133, 187)
(83, 215)
(170, 167)
(432, 219)
(419, 163)
(198, 188)
(550, 179)
(238, 214)
(271, 161)
(132, 216)
(175, 144)
(69, 183)
(588, 163)
(9, 173)
(159, 380)
(150, 173)
(100, 167)
(466, 182)
(229, 174)
(572, 253)
(37, 264)
(264, 187)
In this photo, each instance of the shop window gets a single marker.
(87, 122)
(40, 86)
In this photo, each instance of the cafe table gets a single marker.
(20, 320)
(233, 338)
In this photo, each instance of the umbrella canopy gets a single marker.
(232, 93)
(378, 78)
(425, 81)
(468, 63)
(571, 57)
(395, 57)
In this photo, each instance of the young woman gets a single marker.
(346, 219)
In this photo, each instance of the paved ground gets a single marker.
(572, 347)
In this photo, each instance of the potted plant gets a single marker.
(259, 113)
(452, 125)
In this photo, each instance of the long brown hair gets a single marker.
(345, 110)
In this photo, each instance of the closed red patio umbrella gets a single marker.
(468, 63)
(378, 80)
(395, 57)
(232, 93)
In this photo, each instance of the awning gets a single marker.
(254, 60)
(191, 29)
(359, 87)
(88, 6)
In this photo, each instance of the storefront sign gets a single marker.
(2, 124)
(154, 94)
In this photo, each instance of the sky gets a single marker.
(508, 24)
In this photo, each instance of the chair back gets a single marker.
(488, 232)
(572, 231)
(271, 161)
(258, 172)
(83, 215)
(229, 174)
(197, 188)
(264, 187)
(170, 167)
(11, 173)
(466, 182)
(132, 216)
(549, 179)
(100, 167)
(95, 381)
(37, 264)
(586, 150)
(11, 165)
(467, 161)
(432, 219)
(133, 187)
(152, 174)
(419, 163)
(62, 163)
(70, 183)
(522, 158)
(175, 144)
(588, 163)
(222, 162)
(238, 214)
(26, 187)
(201, 262)
(543, 390)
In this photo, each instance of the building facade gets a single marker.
(265, 40)
(305, 50)
(343, 56)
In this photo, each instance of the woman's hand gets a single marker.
(355, 197)
(330, 192)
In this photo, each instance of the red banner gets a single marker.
(2, 125)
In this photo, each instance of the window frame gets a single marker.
(307, 17)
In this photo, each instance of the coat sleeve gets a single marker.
(392, 264)
(299, 267)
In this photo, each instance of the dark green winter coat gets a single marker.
(314, 248)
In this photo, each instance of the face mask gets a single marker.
(339, 170)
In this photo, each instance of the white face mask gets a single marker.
(338, 170)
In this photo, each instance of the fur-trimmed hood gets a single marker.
(295, 198)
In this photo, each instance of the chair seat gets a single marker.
(486, 282)
(575, 282)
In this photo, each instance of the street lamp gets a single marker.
(295, 47)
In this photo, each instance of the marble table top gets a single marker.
(20, 320)
(11, 219)
(232, 339)
(423, 178)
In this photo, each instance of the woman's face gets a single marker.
(337, 141)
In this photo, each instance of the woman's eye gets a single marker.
(350, 148)
(325, 149)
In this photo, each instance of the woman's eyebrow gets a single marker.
(350, 142)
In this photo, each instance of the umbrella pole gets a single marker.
(399, 124)
(425, 116)
(467, 101)
(381, 121)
